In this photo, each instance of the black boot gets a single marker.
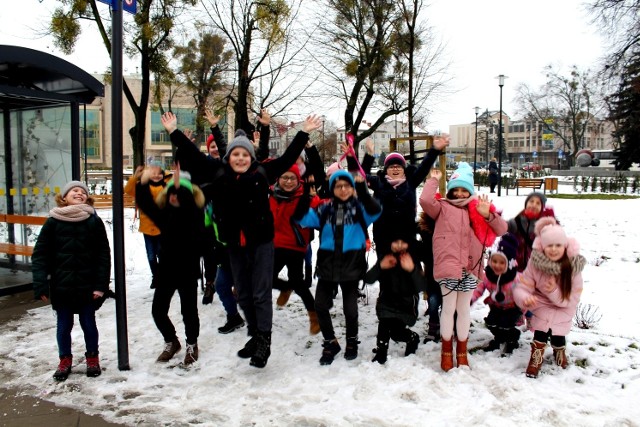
(351, 351)
(433, 333)
(263, 350)
(381, 352)
(64, 368)
(412, 343)
(233, 322)
(329, 350)
(209, 290)
(93, 364)
(250, 347)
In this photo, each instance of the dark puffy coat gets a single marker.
(77, 258)
(398, 297)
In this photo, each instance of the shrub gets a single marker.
(587, 316)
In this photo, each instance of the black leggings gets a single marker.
(556, 340)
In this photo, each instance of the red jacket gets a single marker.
(286, 237)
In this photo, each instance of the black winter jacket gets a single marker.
(70, 261)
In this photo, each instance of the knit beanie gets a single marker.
(507, 248)
(296, 171)
(343, 175)
(240, 140)
(209, 141)
(332, 168)
(395, 159)
(185, 181)
(71, 184)
(462, 178)
(542, 197)
(548, 232)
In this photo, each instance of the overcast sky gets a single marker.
(484, 39)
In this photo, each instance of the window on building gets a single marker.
(186, 119)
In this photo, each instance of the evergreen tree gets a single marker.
(626, 111)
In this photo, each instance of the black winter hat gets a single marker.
(507, 248)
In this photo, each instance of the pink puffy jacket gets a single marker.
(455, 245)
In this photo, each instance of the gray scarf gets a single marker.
(544, 264)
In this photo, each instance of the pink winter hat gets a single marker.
(395, 159)
(549, 232)
(332, 168)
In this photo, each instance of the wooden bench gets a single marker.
(533, 183)
(105, 201)
(17, 249)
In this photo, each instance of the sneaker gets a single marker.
(64, 368)
(209, 290)
(492, 346)
(283, 298)
(412, 344)
(263, 350)
(93, 365)
(351, 351)
(191, 355)
(233, 322)
(249, 348)
(170, 350)
(330, 349)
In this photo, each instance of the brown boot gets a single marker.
(560, 357)
(314, 326)
(446, 356)
(461, 353)
(283, 298)
(535, 362)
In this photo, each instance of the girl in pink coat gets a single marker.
(465, 225)
(550, 287)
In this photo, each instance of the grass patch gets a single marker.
(633, 346)
(596, 196)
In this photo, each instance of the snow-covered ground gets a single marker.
(600, 387)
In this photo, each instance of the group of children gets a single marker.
(262, 213)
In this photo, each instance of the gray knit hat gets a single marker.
(240, 140)
(71, 184)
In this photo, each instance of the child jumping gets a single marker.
(341, 256)
(465, 225)
(550, 288)
(397, 306)
(71, 265)
(500, 275)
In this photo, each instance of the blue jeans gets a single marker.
(224, 283)
(152, 245)
(87, 317)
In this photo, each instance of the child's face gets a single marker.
(533, 205)
(173, 200)
(240, 160)
(498, 264)
(554, 251)
(76, 196)
(395, 171)
(213, 150)
(288, 181)
(460, 193)
(156, 174)
(343, 190)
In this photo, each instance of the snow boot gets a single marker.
(492, 346)
(535, 362)
(412, 344)
(381, 352)
(64, 368)
(249, 348)
(461, 353)
(209, 291)
(314, 326)
(329, 350)
(191, 355)
(263, 350)
(283, 298)
(510, 346)
(560, 357)
(170, 350)
(446, 355)
(351, 350)
(93, 364)
(433, 332)
(234, 322)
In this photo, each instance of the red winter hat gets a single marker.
(209, 141)
(294, 169)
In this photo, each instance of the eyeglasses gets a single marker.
(342, 186)
(394, 167)
(288, 178)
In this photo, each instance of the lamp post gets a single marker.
(475, 145)
(324, 149)
(500, 78)
(486, 141)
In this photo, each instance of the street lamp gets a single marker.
(500, 78)
(475, 145)
(324, 149)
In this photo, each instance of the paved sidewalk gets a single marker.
(18, 410)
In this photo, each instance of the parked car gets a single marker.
(531, 167)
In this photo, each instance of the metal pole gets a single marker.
(475, 145)
(117, 187)
(501, 78)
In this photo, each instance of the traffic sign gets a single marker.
(560, 154)
(522, 156)
(535, 154)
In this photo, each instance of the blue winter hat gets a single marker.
(340, 174)
(462, 178)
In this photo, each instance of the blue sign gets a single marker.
(522, 156)
(560, 154)
(127, 5)
(535, 154)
